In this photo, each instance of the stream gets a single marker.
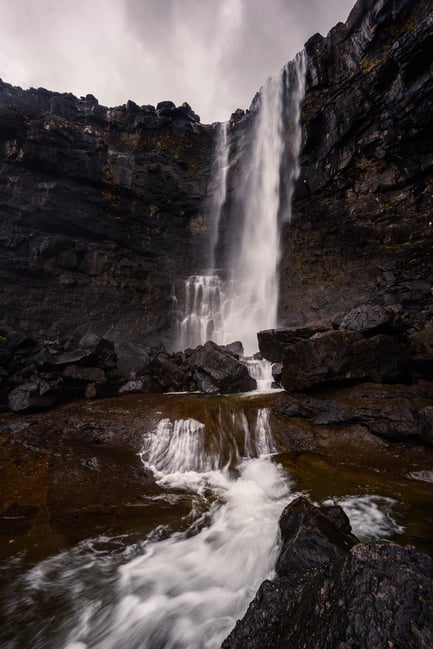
(184, 583)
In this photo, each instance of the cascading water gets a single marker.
(236, 309)
(176, 589)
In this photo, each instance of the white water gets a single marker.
(247, 303)
(181, 590)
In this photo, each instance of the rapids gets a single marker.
(181, 586)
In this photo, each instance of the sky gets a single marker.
(214, 54)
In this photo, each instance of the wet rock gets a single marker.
(273, 342)
(34, 395)
(339, 357)
(369, 319)
(396, 414)
(169, 375)
(131, 359)
(89, 374)
(216, 370)
(236, 348)
(421, 348)
(312, 536)
(330, 591)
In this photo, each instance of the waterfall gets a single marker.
(237, 308)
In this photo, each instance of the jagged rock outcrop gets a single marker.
(100, 208)
(362, 213)
(37, 376)
(331, 592)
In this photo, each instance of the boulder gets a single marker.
(421, 349)
(332, 592)
(274, 342)
(131, 359)
(342, 357)
(32, 396)
(85, 374)
(216, 370)
(370, 320)
(396, 416)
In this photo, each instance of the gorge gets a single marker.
(142, 479)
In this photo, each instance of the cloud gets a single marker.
(215, 54)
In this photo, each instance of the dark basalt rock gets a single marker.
(342, 357)
(217, 370)
(30, 396)
(361, 217)
(331, 592)
(399, 414)
(370, 320)
(274, 342)
(100, 209)
(35, 376)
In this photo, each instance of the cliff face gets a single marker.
(362, 226)
(104, 209)
(101, 209)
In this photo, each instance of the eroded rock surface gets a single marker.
(331, 592)
(100, 208)
(362, 212)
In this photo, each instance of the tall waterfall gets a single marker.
(238, 307)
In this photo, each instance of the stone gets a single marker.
(32, 396)
(217, 371)
(368, 319)
(331, 591)
(421, 349)
(342, 357)
(131, 359)
(273, 342)
(89, 374)
(393, 413)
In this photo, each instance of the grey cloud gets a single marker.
(215, 54)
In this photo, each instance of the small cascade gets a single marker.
(265, 444)
(261, 371)
(178, 446)
(203, 315)
(184, 445)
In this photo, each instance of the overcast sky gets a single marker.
(214, 54)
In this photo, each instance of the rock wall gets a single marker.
(362, 227)
(101, 210)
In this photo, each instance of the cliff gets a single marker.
(362, 226)
(104, 209)
(100, 209)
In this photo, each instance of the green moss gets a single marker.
(369, 66)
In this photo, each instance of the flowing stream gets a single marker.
(176, 588)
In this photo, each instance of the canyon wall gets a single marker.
(103, 210)
(362, 228)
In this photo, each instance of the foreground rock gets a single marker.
(217, 370)
(342, 357)
(331, 592)
(36, 376)
(398, 413)
(274, 342)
